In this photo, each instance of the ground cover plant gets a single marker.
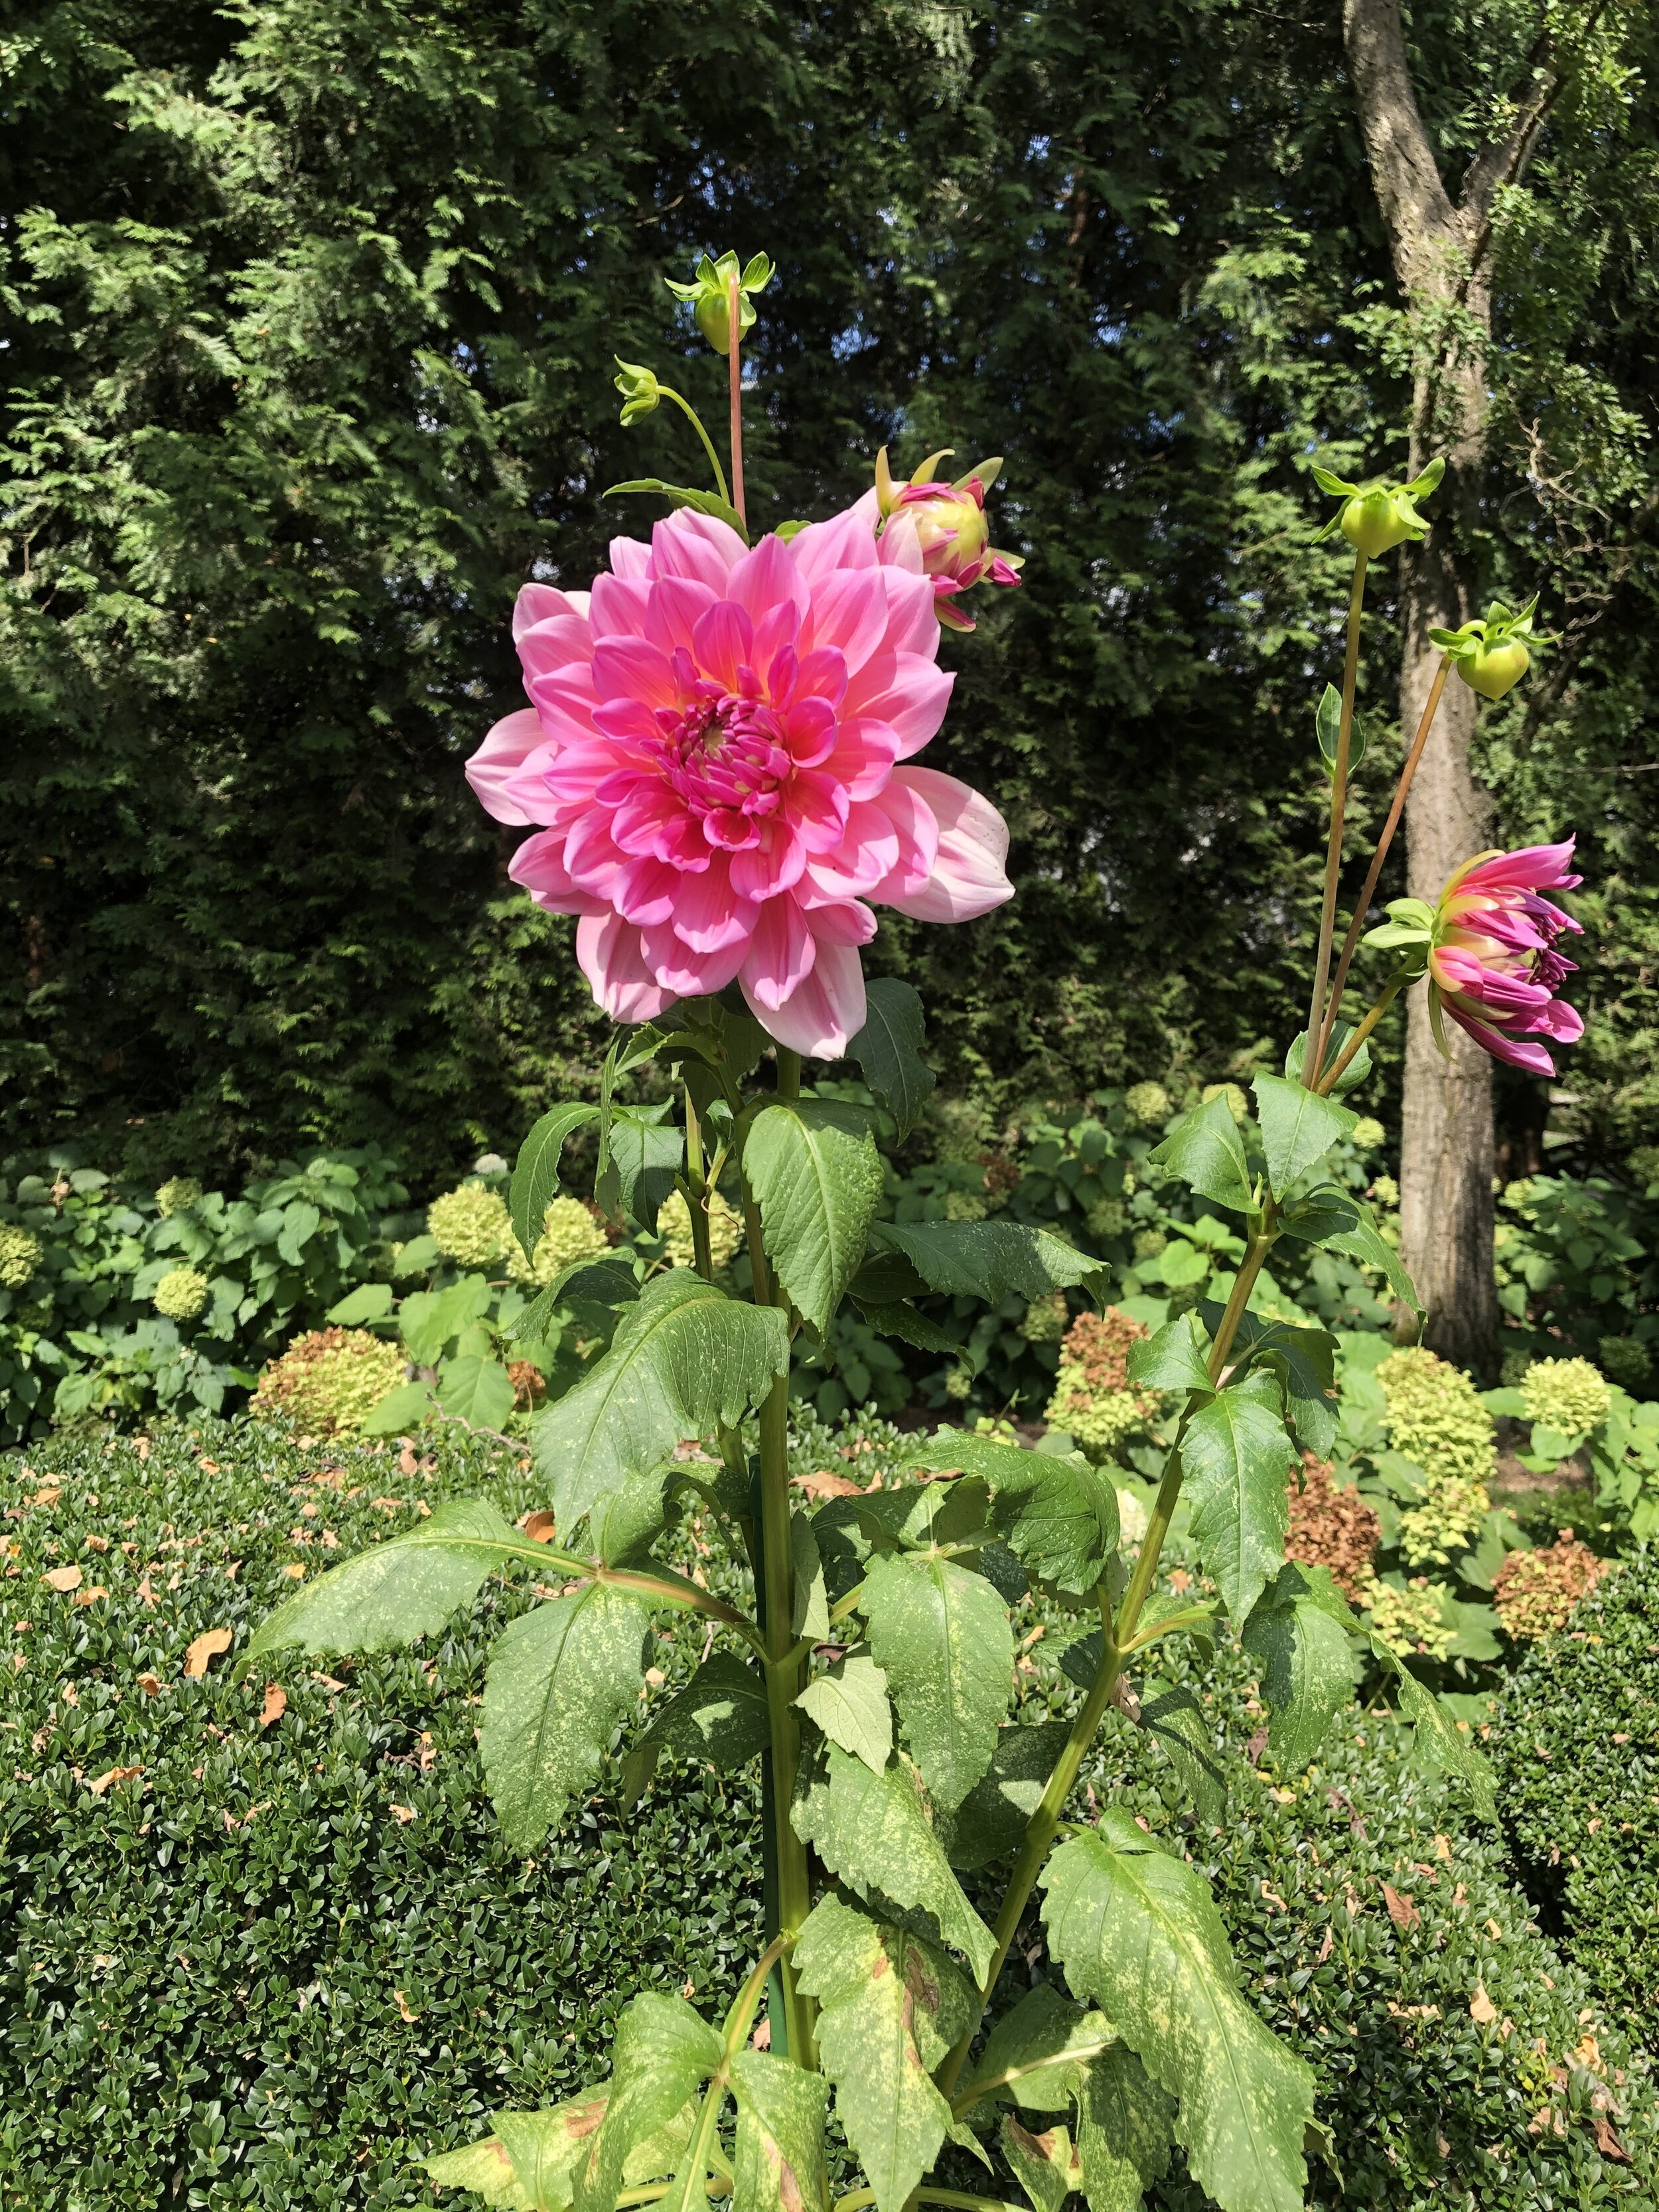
(292, 1951)
(717, 773)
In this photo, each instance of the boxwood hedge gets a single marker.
(290, 1953)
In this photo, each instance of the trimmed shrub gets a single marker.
(1577, 1751)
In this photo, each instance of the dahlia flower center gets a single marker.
(725, 757)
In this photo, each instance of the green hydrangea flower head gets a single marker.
(1149, 1242)
(1237, 1104)
(570, 1231)
(1107, 1218)
(21, 1255)
(177, 1195)
(470, 1224)
(1410, 1618)
(1386, 1191)
(1148, 1105)
(1092, 1400)
(329, 1381)
(1566, 1394)
(725, 1231)
(1626, 1361)
(1644, 1164)
(1046, 1319)
(1367, 1134)
(965, 1206)
(1445, 1525)
(964, 1132)
(1435, 1416)
(181, 1294)
(958, 1383)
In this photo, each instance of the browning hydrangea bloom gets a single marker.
(1534, 1592)
(1092, 1399)
(329, 1381)
(1332, 1526)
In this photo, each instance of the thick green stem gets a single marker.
(696, 1191)
(1115, 1635)
(1333, 1075)
(1339, 808)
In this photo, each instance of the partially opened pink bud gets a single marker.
(1492, 964)
(946, 525)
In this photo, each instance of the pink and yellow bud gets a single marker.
(950, 528)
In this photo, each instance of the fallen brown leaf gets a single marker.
(91, 1595)
(1482, 2007)
(50, 1494)
(116, 1774)
(402, 2006)
(762, 2039)
(206, 1648)
(405, 1814)
(538, 1526)
(275, 1704)
(1401, 1910)
(327, 1681)
(150, 1685)
(1608, 2143)
(295, 1570)
(62, 1578)
(825, 1483)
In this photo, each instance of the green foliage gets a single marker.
(1576, 1748)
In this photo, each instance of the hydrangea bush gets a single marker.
(719, 772)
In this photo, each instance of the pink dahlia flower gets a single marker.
(1493, 967)
(715, 762)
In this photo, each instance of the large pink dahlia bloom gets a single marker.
(715, 761)
(1493, 966)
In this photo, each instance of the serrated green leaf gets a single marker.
(892, 2006)
(810, 1616)
(1365, 1243)
(720, 1717)
(1304, 1362)
(475, 1390)
(1059, 1519)
(1043, 2161)
(559, 1680)
(991, 1821)
(1137, 1932)
(1306, 1663)
(585, 1282)
(1326, 1212)
(1174, 1720)
(684, 1359)
(922, 1514)
(871, 1830)
(536, 1172)
(483, 2168)
(849, 1703)
(901, 1319)
(663, 2053)
(1125, 2131)
(544, 2149)
(623, 1526)
(647, 1152)
(1297, 1128)
(393, 1592)
(1166, 1614)
(1174, 1358)
(985, 1259)
(817, 1176)
(888, 1050)
(1439, 1738)
(941, 1636)
(782, 2112)
(1237, 1456)
(1035, 2055)
(1206, 1152)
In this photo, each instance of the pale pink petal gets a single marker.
(906, 691)
(824, 1013)
(647, 891)
(868, 855)
(846, 541)
(709, 913)
(774, 863)
(547, 647)
(632, 668)
(538, 865)
(780, 953)
(912, 613)
(686, 544)
(618, 606)
(969, 877)
(612, 958)
(629, 557)
(840, 922)
(766, 576)
(503, 752)
(723, 642)
(671, 615)
(915, 828)
(687, 974)
(863, 759)
(537, 603)
(849, 612)
(899, 545)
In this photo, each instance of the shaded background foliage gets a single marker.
(309, 317)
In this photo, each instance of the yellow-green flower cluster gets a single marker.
(1046, 1319)
(330, 1380)
(20, 1255)
(1237, 1104)
(1568, 1396)
(1148, 1105)
(1411, 1619)
(1436, 1418)
(725, 1231)
(965, 1206)
(177, 1195)
(1093, 1400)
(181, 1294)
(471, 1226)
(1107, 1217)
(1149, 1243)
(570, 1232)
(1386, 1191)
(1444, 1527)
(1367, 1135)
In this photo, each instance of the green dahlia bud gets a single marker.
(1376, 517)
(642, 394)
(1493, 655)
(710, 295)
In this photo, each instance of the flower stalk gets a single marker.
(1339, 809)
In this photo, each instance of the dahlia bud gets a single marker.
(1491, 656)
(1376, 517)
(642, 394)
(710, 295)
(949, 527)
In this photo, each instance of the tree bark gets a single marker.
(1437, 245)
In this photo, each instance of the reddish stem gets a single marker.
(733, 304)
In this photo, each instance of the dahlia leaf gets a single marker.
(1137, 1932)
(816, 1171)
(991, 1821)
(872, 1831)
(923, 1515)
(646, 1153)
(1351, 1076)
(1044, 2164)
(536, 1173)
(1326, 1212)
(1328, 729)
(892, 2005)
(1439, 1737)
(1166, 1614)
(902, 1319)
(1365, 1242)
(704, 502)
(1174, 1720)
(1206, 1152)
(1304, 1362)
(686, 1358)
(1174, 1359)
(941, 1636)
(559, 1680)
(1297, 1128)
(1307, 1668)
(391, 1594)
(719, 1716)
(663, 2053)
(778, 2164)
(531, 2160)
(1059, 1519)
(1125, 2131)
(849, 1704)
(810, 1611)
(987, 1259)
(602, 1283)
(888, 1050)
(475, 1390)
(1035, 2055)
(1237, 1456)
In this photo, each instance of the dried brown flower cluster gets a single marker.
(1534, 1592)
(1333, 1527)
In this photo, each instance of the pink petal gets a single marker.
(1534, 867)
(538, 865)
(915, 842)
(619, 605)
(687, 543)
(723, 642)
(647, 891)
(846, 541)
(868, 854)
(1510, 1050)
(765, 577)
(632, 668)
(687, 974)
(537, 603)
(594, 860)
(840, 922)
(780, 954)
(817, 807)
(907, 690)
(613, 960)
(629, 557)
(503, 752)
(900, 546)
(849, 612)
(675, 606)
(969, 877)
(709, 913)
(912, 613)
(546, 646)
(774, 863)
(863, 759)
(824, 1013)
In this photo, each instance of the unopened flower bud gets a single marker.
(710, 295)
(1492, 655)
(642, 394)
(1376, 517)
(950, 528)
